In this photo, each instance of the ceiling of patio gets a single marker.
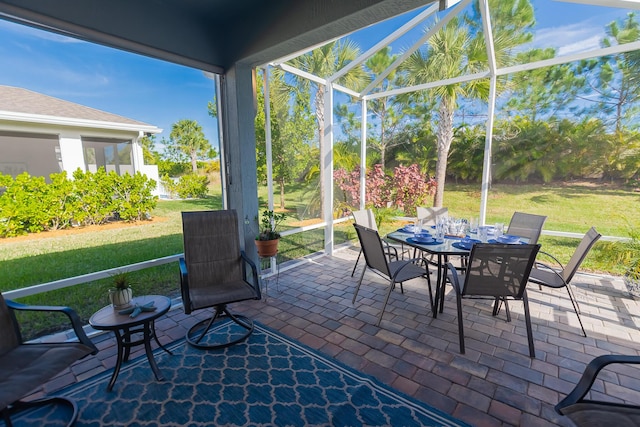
(210, 35)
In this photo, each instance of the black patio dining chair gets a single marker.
(560, 276)
(366, 218)
(27, 365)
(215, 273)
(495, 272)
(526, 225)
(397, 271)
(599, 410)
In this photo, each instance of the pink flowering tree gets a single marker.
(412, 188)
(407, 188)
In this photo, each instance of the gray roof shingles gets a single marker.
(19, 100)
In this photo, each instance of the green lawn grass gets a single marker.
(53, 256)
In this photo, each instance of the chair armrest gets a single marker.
(76, 323)
(589, 376)
(556, 260)
(254, 273)
(388, 248)
(454, 277)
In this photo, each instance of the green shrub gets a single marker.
(190, 186)
(29, 205)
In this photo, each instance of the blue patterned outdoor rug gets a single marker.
(269, 380)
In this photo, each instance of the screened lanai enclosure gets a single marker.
(384, 102)
(472, 92)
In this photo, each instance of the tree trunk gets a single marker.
(194, 162)
(445, 136)
(281, 184)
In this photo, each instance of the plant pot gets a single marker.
(267, 248)
(120, 298)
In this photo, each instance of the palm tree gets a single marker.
(445, 57)
(189, 138)
(324, 62)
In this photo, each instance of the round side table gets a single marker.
(124, 327)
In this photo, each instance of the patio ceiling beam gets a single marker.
(418, 19)
(612, 50)
(453, 80)
(316, 79)
(416, 46)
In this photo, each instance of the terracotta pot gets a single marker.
(267, 248)
(120, 298)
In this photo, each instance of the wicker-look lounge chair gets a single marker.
(497, 272)
(24, 366)
(213, 274)
(394, 271)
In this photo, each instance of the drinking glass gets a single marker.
(473, 225)
(483, 232)
(499, 229)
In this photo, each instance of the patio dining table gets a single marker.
(442, 251)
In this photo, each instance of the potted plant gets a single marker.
(627, 253)
(268, 237)
(120, 293)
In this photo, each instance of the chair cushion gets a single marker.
(598, 414)
(221, 293)
(30, 365)
(409, 272)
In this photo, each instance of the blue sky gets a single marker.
(161, 93)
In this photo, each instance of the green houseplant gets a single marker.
(268, 237)
(120, 294)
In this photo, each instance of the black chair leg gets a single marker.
(355, 266)
(576, 308)
(527, 318)
(460, 325)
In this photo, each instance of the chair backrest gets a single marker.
(372, 249)
(9, 338)
(587, 242)
(526, 225)
(429, 216)
(366, 218)
(499, 270)
(212, 248)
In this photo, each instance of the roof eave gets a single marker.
(71, 122)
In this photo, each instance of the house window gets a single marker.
(113, 155)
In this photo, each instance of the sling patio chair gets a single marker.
(376, 260)
(526, 225)
(214, 273)
(560, 276)
(601, 411)
(366, 218)
(430, 216)
(24, 366)
(496, 272)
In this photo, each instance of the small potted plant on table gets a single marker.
(268, 238)
(120, 294)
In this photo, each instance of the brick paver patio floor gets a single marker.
(495, 383)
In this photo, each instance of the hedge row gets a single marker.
(28, 204)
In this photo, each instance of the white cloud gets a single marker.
(571, 38)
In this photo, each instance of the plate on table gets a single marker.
(424, 240)
(465, 244)
(407, 229)
(508, 238)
